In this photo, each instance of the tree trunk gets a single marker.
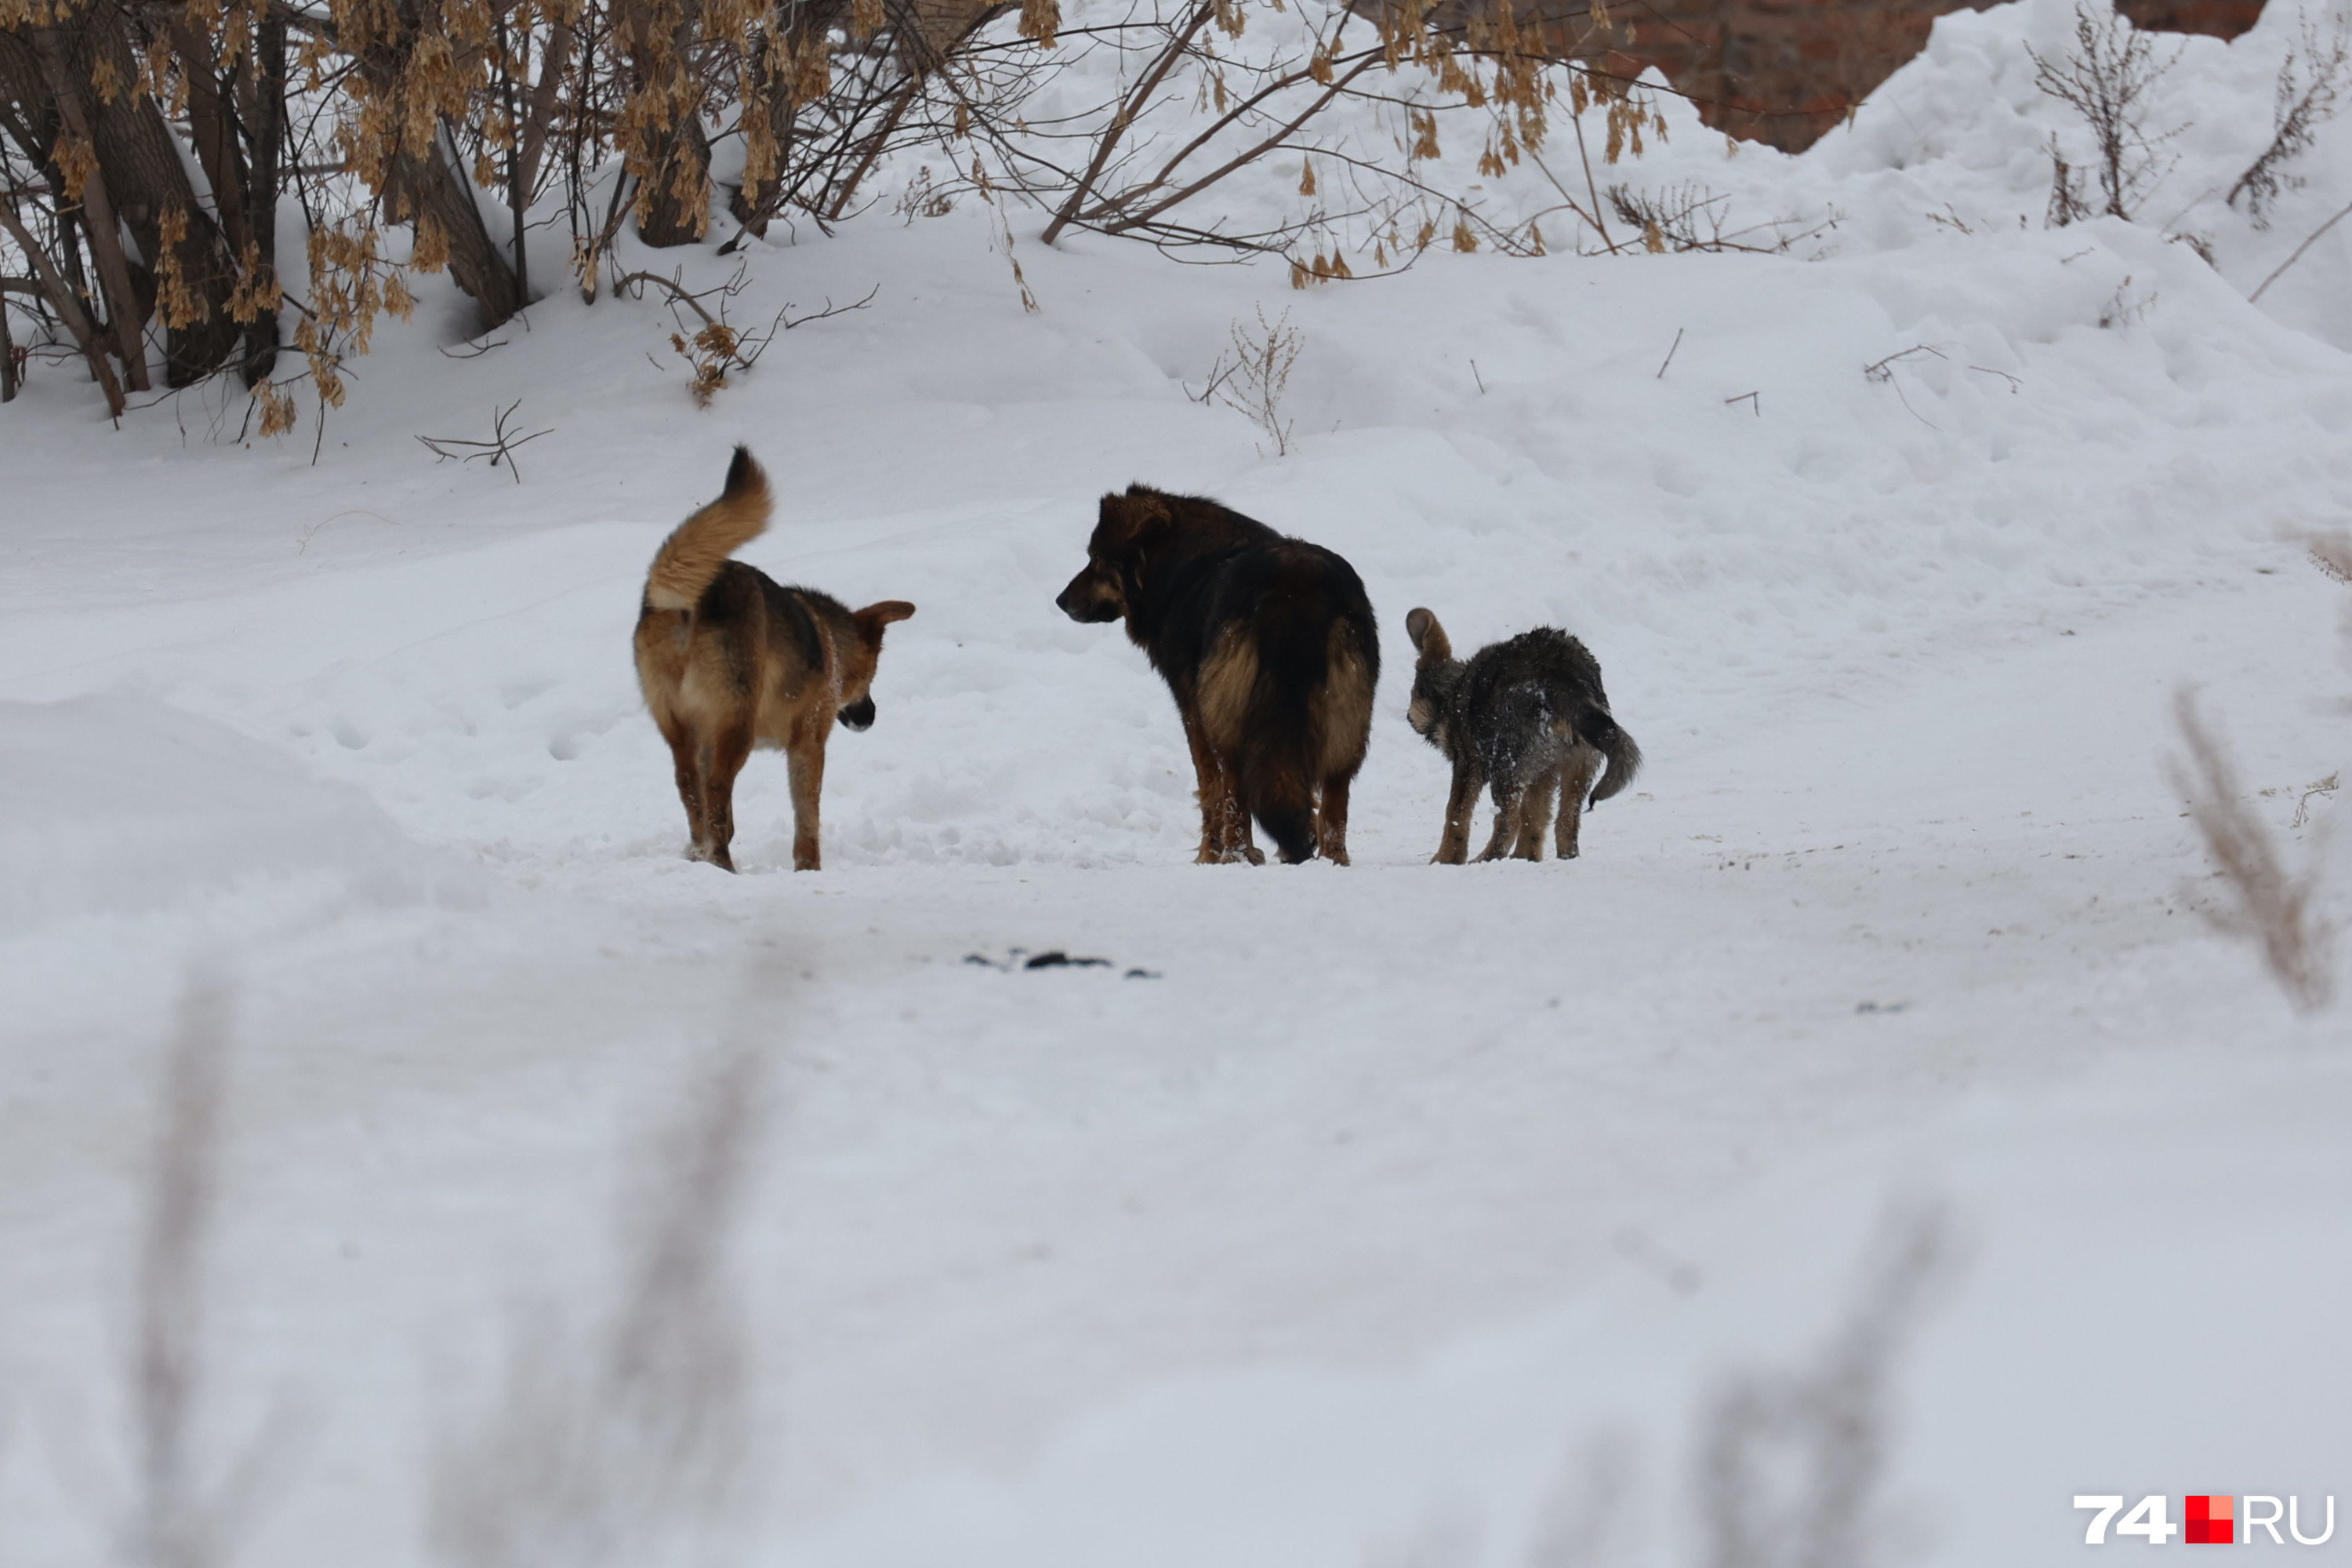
(431, 186)
(756, 203)
(674, 201)
(68, 303)
(265, 129)
(126, 303)
(229, 111)
(672, 155)
(140, 180)
(8, 347)
(434, 187)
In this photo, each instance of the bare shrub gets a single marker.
(2107, 78)
(625, 1438)
(718, 348)
(1194, 109)
(1691, 217)
(1253, 382)
(2068, 203)
(2270, 906)
(2311, 81)
(1792, 1463)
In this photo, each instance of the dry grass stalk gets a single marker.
(2272, 907)
(181, 1512)
(1792, 1464)
(171, 1526)
(625, 1438)
(1583, 1516)
(2332, 553)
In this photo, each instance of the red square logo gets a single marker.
(2210, 1523)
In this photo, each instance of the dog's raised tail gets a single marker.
(1599, 730)
(690, 558)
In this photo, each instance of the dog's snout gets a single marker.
(1088, 599)
(860, 715)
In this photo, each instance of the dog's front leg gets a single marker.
(1469, 778)
(804, 757)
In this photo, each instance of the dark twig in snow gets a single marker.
(500, 448)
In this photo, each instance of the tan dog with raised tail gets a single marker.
(730, 659)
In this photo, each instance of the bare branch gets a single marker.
(500, 448)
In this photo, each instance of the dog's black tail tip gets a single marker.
(1624, 756)
(1292, 834)
(743, 473)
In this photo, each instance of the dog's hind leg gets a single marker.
(1331, 819)
(1242, 843)
(683, 757)
(805, 757)
(1507, 820)
(1461, 804)
(1576, 782)
(723, 759)
(1535, 817)
(1225, 825)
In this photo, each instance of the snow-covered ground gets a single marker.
(1399, 1214)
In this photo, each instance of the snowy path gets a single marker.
(1003, 1199)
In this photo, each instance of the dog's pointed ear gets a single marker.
(874, 617)
(1428, 637)
(1128, 519)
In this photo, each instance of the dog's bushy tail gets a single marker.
(690, 558)
(1273, 760)
(1308, 712)
(1596, 728)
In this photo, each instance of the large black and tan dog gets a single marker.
(730, 658)
(1269, 647)
(1530, 715)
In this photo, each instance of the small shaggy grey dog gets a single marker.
(1529, 715)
